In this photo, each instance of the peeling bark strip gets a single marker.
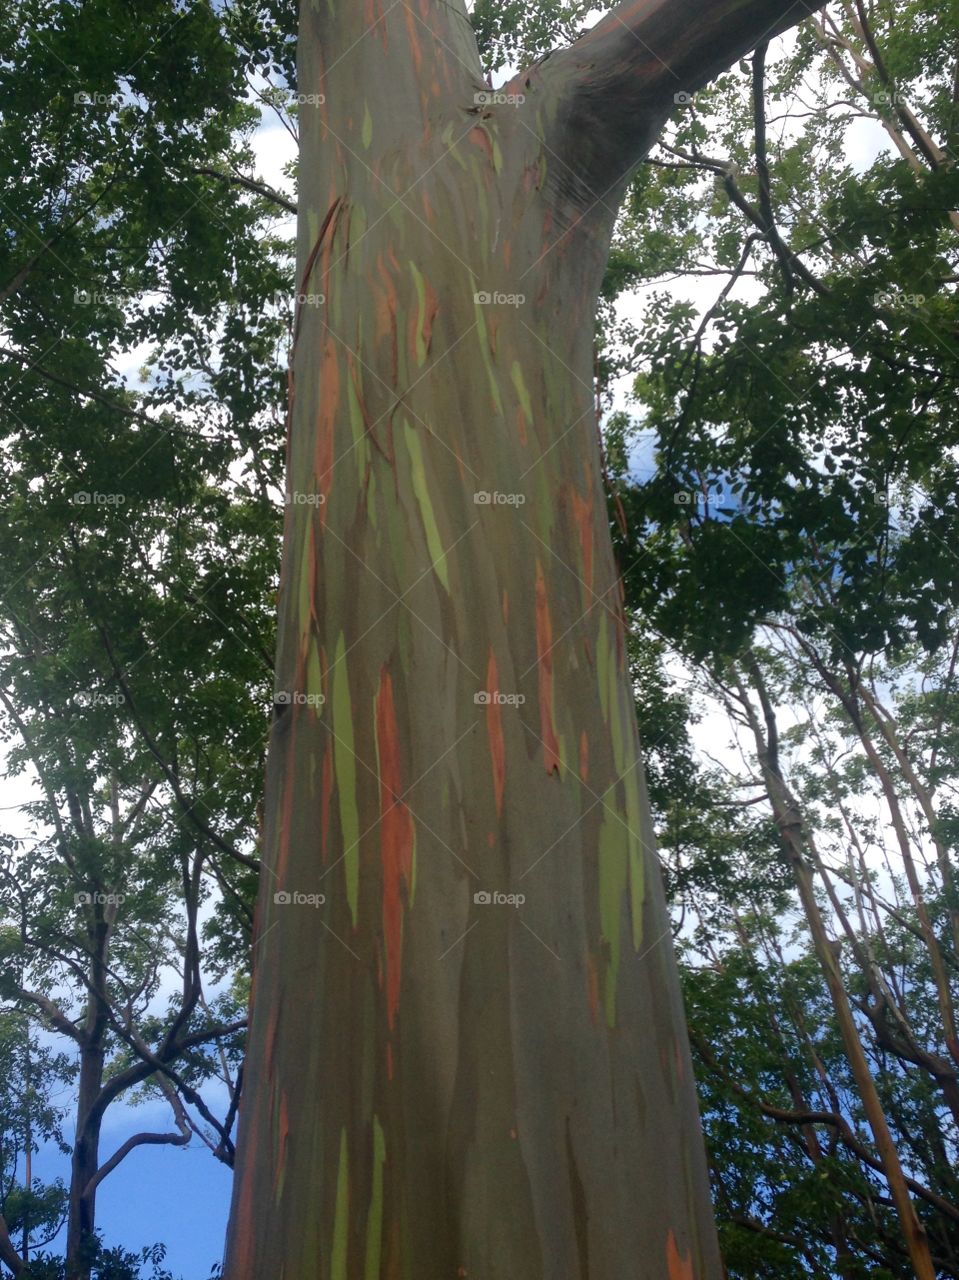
(476, 1038)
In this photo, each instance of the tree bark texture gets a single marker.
(469, 1059)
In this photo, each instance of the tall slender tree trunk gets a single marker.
(85, 1161)
(81, 1218)
(468, 1059)
(27, 1140)
(789, 820)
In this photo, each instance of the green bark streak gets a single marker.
(357, 426)
(613, 876)
(486, 352)
(519, 382)
(314, 672)
(338, 1259)
(422, 494)
(420, 285)
(637, 857)
(603, 665)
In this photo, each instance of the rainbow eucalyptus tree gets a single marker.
(468, 1056)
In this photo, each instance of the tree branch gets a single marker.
(618, 84)
(180, 1139)
(835, 1121)
(8, 1254)
(54, 1015)
(137, 1072)
(250, 184)
(788, 261)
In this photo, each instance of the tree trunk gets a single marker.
(81, 1218)
(468, 1060)
(789, 821)
(81, 1214)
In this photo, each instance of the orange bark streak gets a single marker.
(480, 138)
(414, 39)
(583, 518)
(426, 328)
(521, 425)
(680, 1265)
(544, 662)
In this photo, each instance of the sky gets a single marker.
(180, 1196)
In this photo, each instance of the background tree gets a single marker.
(139, 541)
(801, 560)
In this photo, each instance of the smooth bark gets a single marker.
(439, 1085)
